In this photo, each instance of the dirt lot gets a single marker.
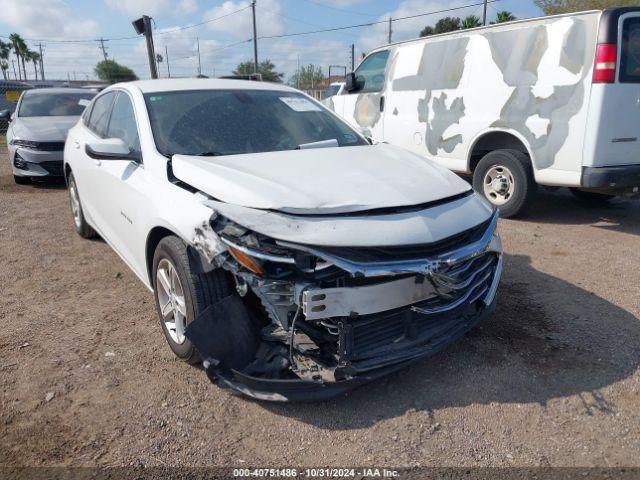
(552, 379)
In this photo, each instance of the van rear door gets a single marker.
(613, 129)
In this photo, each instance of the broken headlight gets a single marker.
(262, 255)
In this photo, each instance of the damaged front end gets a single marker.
(310, 322)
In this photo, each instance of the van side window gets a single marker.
(371, 72)
(100, 114)
(630, 59)
(122, 124)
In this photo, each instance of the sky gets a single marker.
(224, 42)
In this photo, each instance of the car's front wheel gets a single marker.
(80, 223)
(182, 294)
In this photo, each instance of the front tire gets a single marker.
(505, 178)
(79, 222)
(182, 294)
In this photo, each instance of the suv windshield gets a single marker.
(228, 122)
(54, 104)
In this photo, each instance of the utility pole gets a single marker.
(353, 57)
(104, 50)
(390, 29)
(166, 54)
(199, 64)
(41, 61)
(484, 14)
(298, 74)
(143, 25)
(255, 37)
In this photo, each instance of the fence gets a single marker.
(9, 94)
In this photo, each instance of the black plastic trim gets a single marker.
(611, 178)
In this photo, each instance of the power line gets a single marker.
(370, 24)
(341, 9)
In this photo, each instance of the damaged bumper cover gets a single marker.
(310, 322)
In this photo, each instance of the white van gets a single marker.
(553, 101)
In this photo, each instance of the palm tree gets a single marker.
(17, 42)
(5, 50)
(471, 22)
(35, 58)
(505, 16)
(24, 53)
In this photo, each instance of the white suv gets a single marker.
(291, 256)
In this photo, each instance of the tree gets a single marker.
(5, 50)
(112, 72)
(504, 16)
(553, 7)
(308, 76)
(471, 22)
(444, 25)
(266, 68)
(35, 58)
(18, 47)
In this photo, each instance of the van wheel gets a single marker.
(182, 295)
(591, 197)
(505, 178)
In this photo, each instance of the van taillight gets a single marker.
(605, 67)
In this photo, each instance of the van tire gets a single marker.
(591, 197)
(512, 171)
(200, 290)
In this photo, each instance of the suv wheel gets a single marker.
(182, 295)
(505, 178)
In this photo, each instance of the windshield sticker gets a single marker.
(155, 98)
(300, 104)
(83, 102)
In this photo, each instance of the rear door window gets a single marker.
(100, 113)
(630, 60)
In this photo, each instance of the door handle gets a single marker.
(382, 103)
(97, 162)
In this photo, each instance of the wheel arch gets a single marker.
(155, 236)
(497, 139)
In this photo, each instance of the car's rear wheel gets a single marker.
(80, 223)
(182, 294)
(505, 178)
(21, 180)
(591, 197)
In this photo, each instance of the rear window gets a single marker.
(630, 62)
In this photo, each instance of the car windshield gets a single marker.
(229, 122)
(54, 104)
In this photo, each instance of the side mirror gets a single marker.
(108, 149)
(5, 114)
(351, 84)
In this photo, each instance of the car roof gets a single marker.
(41, 91)
(179, 84)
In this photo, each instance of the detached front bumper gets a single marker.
(367, 313)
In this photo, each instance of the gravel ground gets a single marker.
(86, 378)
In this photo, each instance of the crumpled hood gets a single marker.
(323, 180)
(43, 129)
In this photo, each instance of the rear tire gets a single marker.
(505, 179)
(197, 290)
(21, 180)
(592, 197)
(79, 222)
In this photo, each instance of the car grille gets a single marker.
(51, 146)
(54, 168)
(409, 252)
(370, 341)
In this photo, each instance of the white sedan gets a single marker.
(286, 253)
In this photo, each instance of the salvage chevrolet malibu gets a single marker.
(286, 253)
